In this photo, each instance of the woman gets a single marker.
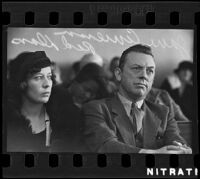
(30, 83)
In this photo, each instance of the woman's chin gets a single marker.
(44, 100)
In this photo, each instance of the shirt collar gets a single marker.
(127, 103)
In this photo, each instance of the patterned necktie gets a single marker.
(137, 117)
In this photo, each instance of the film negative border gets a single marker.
(101, 165)
(101, 15)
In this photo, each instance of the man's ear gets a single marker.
(118, 74)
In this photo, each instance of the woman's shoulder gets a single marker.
(13, 115)
(60, 104)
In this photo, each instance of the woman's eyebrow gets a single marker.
(38, 73)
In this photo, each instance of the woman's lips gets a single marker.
(46, 94)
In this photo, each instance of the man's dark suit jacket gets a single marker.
(107, 128)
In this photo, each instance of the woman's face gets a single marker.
(39, 86)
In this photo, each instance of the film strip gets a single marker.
(79, 20)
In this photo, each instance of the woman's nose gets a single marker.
(46, 83)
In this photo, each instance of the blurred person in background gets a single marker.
(113, 65)
(113, 81)
(162, 97)
(73, 72)
(91, 58)
(57, 73)
(77, 66)
(179, 86)
(91, 83)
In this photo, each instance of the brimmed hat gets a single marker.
(185, 65)
(91, 58)
(90, 71)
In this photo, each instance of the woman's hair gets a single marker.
(23, 66)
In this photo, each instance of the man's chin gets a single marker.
(141, 94)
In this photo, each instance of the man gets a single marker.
(128, 122)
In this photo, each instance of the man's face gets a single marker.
(137, 76)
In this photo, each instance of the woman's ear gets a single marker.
(118, 74)
(23, 85)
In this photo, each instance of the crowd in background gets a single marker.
(178, 85)
(89, 80)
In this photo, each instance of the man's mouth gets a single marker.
(141, 84)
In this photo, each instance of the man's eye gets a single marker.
(136, 68)
(49, 77)
(149, 70)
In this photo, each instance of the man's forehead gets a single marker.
(141, 59)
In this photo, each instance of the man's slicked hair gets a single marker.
(140, 48)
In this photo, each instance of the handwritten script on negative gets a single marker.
(85, 43)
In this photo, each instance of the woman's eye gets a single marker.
(38, 77)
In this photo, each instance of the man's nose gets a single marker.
(143, 74)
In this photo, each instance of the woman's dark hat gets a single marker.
(185, 65)
(90, 71)
(26, 61)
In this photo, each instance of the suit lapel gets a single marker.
(122, 121)
(153, 117)
(154, 114)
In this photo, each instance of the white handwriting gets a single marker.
(41, 40)
(86, 41)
